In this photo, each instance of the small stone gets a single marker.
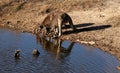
(78, 40)
(91, 42)
(84, 42)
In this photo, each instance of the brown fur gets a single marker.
(53, 23)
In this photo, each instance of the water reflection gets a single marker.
(56, 56)
(17, 60)
(55, 46)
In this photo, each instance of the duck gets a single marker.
(35, 52)
(17, 54)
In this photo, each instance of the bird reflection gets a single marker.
(55, 47)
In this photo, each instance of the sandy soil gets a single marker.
(97, 22)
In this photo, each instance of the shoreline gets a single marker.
(97, 22)
(84, 39)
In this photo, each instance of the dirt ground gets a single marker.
(97, 21)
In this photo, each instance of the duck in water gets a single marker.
(35, 52)
(17, 54)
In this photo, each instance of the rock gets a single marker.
(35, 52)
(118, 67)
(78, 40)
(91, 42)
(85, 42)
(17, 54)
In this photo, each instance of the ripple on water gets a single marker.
(69, 57)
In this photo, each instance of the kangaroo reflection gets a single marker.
(55, 47)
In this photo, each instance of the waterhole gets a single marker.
(55, 57)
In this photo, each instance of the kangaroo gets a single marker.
(53, 22)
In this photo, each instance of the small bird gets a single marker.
(17, 54)
(35, 52)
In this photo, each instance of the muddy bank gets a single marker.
(97, 23)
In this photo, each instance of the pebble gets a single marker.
(91, 42)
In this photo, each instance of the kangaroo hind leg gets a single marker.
(71, 24)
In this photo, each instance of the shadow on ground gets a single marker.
(85, 28)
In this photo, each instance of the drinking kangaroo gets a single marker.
(53, 22)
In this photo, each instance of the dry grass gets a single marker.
(49, 5)
(68, 5)
(114, 21)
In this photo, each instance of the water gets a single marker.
(54, 58)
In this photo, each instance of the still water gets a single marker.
(60, 57)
